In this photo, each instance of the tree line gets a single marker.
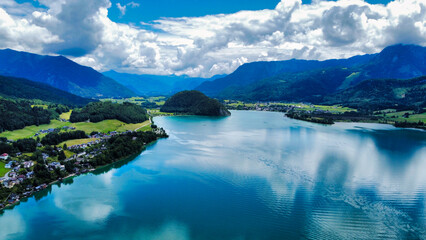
(99, 111)
(54, 138)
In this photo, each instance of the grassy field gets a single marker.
(133, 127)
(66, 115)
(159, 101)
(68, 154)
(104, 127)
(156, 112)
(399, 116)
(299, 106)
(42, 106)
(3, 170)
(77, 142)
(29, 131)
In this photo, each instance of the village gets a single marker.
(20, 167)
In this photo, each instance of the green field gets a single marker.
(68, 154)
(159, 101)
(133, 127)
(299, 106)
(156, 112)
(3, 170)
(104, 127)
(29, 131)
(66, 115)
(40, 105)
(399, 116)
(77, 142)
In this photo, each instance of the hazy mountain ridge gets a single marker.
(61, 73)
(153, 85)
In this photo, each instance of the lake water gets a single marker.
(254, 175)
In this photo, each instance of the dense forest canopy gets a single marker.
(196, 103)
(18, 114)
(11, 87)
(99, 111)
(54, 138)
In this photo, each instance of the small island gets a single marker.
(194, 103)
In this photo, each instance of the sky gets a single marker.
(204, 38)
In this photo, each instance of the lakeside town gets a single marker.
(22, 178)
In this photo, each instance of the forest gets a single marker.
(18, 114)
(99, 111)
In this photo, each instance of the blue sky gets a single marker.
(214, 37)
(150, 10)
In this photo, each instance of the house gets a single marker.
(9, 164)
(28, 164)
(45, 156)
(81, 154)
(4, 156)
(55, 165)
(30, 174)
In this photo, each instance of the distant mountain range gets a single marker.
(345, 81)
(255, 71)
(319, 81)
(19, 88)
(154, 85)
(61, 73)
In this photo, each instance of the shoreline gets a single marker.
(336, 120)
(73, 175)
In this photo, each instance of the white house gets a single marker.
(4, 156)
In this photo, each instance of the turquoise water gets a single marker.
(254, 175)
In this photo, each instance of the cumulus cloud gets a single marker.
(216, 44)
(21, 34)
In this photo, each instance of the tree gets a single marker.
(61, 156)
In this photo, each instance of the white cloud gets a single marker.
(215, 44)
(123, 8)
(22, 34)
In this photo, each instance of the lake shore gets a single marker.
(44, 186)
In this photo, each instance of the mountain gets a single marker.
(382, 93)
(397, 61)
(20, 88)
(154, 85)
(323, 78)
(194, 103)
(252, 72)
(61, 73)
(308, 86)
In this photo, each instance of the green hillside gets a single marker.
(194, 103)
(383, 93)
(11, 87)
(99, 111)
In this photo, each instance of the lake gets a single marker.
(254, 175)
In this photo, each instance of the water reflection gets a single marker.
(254, 175)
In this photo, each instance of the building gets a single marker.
(4, 156)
